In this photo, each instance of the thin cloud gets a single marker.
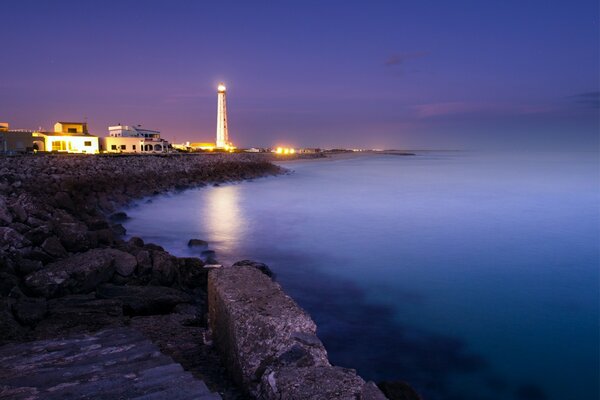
(589, 99)
(397, 59)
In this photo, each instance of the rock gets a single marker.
(29, 311)
(144, 300)
(10, 329)
(26, 266)
(192, 272)
(322, 382)
(73, 235)
(208, 253)
(197, 243)
(7, 283)
(118, 229)
(398, 390)
(53, 247)
(258, 265)
(125, 263)
(136, 241)
(39, 234)
(19, 212)
(80, 273)
(164, 267)
(79, 313)
(63, 200)
(144, 262)
(257, 326)
(10, 239)
(119, 216)
(104, 236)
(6, 217)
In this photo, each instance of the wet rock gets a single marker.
(53, 247)
(80, 273)
(258, 265)
(119, 216)
(197, 243)
(144, 300)
(398, 390)
(29, 311)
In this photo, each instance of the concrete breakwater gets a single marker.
(65, 269)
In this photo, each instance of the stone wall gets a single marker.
(269, 343)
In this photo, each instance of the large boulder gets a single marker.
(80, 273)
(73, 235)
(164, 267)
(53, 247)
(144, 300)
(192, 273)
(10, 329)
(125, 263)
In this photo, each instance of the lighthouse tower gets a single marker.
(222, 134)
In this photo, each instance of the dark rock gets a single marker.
(197, 243)
(19, 212)
(258, 265)
(125, 263)
(73, 235)
(29, 310)
(79, 313)
(53, 247)
(20, 227)
(164, 267)
(136, 241)
(192, 272)
(95, 224)
(208, 253)
(80, 273)
(26, 266)
(5, 216)
(144, 262)
(10, 239)
(398, 390)
(39, 234)
(105, 236)
(10, 329)
(37, 254)
(63, 200)
(152, 246)
(119, 216)
(144, 300)
(118, 229)
(7, 283)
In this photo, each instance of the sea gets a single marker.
(468, 275)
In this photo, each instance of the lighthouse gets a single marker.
(222, 134)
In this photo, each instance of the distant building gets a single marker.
(3, 126)
(71, 127)
(68, 137)
(133, 139)
(20, 141)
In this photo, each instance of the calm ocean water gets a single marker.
(470, 276)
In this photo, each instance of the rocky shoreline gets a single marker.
(64, 268)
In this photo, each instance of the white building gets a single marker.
(133, 139)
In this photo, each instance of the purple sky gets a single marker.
(461, 74)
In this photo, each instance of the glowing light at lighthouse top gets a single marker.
(221, 88)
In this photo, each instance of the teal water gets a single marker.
(471, 276)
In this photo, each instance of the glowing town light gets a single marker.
(279, 150)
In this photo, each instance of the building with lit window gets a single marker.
(68, 137)
(133, 139)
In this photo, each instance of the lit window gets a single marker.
(59, 145)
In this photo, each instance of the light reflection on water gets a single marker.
(472, 277)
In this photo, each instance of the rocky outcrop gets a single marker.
(269, 343)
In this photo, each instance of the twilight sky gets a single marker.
(371, 74)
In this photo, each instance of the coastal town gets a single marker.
(75, 138)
